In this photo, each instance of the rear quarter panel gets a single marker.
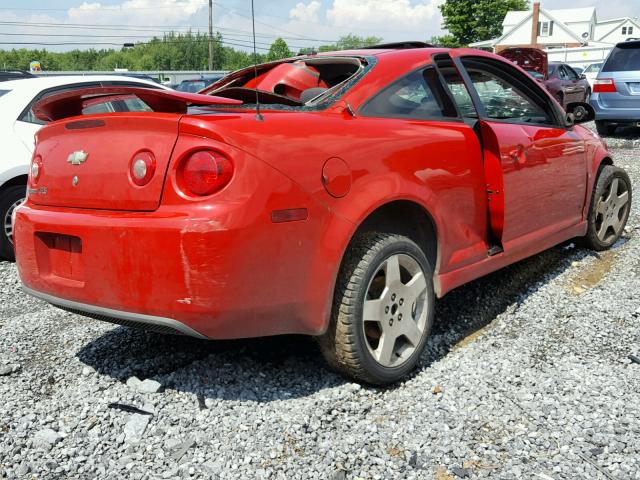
(433, 164)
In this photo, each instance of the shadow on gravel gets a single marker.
(462, 313)
(260, 369)
(276, 368)
(631, 133)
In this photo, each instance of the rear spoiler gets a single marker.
(70, 104)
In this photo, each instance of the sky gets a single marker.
(302, 23)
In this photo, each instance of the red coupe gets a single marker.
(365, 185)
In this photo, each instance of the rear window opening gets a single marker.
(623, 58)
(300, 82)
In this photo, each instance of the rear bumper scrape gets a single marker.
(148, 322)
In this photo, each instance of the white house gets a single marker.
(574, 35)
(617, 30)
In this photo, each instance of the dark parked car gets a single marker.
(6, 75)
(196, 84)
(559, 79)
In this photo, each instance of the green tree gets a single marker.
(278, 49)
(471, 21)
(448, 41)
(350, 42)
(174, 51)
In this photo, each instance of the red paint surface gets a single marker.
(336, 177)
(222, 266)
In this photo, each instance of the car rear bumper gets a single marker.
(174, 271)
(148, 322)
(614, 114)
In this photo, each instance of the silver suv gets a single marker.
(616, 90)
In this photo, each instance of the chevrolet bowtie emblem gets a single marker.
(76, 158)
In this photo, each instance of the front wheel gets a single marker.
(382, 310)
(10, 199)
(609, 209)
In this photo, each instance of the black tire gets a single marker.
(343, 345)
(605, 129)
(8, 199)
(606, 175)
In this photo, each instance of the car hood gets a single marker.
(531, 59)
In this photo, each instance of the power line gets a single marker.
(119, 8)
(119, 44)
(114, 8)
(151, 28)
(234, 12)
(162, 39)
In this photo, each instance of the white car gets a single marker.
(18, 126)
(590, 72)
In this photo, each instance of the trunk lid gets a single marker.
(86, 163)
(529, 59)
(86, 160)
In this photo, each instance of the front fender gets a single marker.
(597, 155)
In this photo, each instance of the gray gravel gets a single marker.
(527, 376)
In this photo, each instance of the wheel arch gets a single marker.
(592, 177)
(605, 161)
(391, 217)
(15, 181)
(386, 217)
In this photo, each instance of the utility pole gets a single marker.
(210, 35)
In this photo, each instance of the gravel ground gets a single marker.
(527, 375)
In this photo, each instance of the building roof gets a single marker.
(574, 15)
(514, 17)
(565, 15)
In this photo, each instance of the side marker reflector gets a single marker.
(289, 215)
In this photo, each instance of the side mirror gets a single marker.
(583, 76)
(580, 112)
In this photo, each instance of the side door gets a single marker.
(575, 88)
(427, 153)
(535, 167)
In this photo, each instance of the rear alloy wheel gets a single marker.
(605, 129)
(10, 199)
(609, 209)
(382, 311)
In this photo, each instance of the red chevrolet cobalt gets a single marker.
(367, 184)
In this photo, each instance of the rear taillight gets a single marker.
(604, 85)
(36, 171)
(204, 172)
(142, 167)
